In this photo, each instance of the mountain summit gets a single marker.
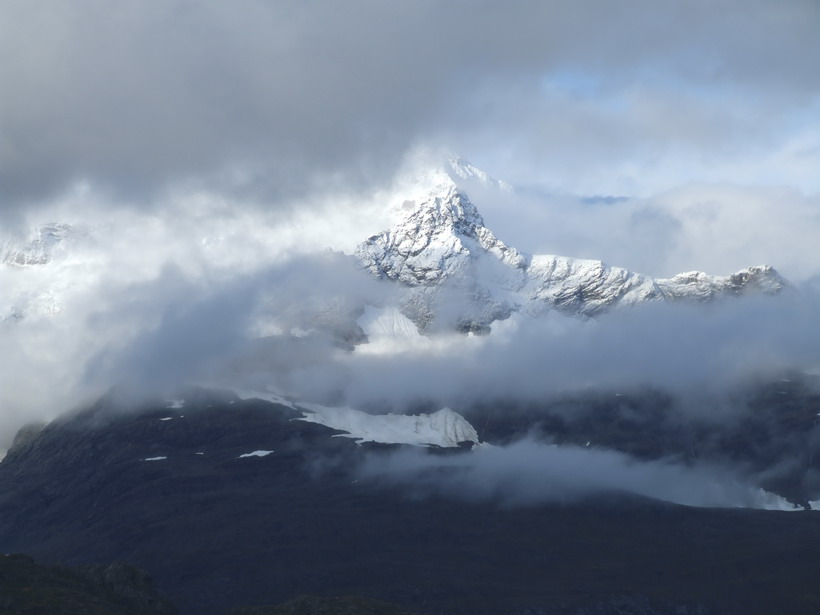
(450, 268)
(456, 272)
(441, 249)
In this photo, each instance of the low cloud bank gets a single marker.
(260, 329)
(530, 473)
(690, 350)
(293, 327)
(174, 328)
(211, 294)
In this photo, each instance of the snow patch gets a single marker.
(259, 453)
(388, 331)
(444, 428)
(269, 394)
(390, 322)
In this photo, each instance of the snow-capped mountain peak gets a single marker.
(456, 272)
(435, 238)
(440, 239)
(444, 205)
(437, 176)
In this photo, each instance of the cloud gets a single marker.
(169, 312)
(173, 329)
(133, 318)
(187, 295)
(267, 101)
(159, 324)
(529, 473)
(718, 228)
(693, 351)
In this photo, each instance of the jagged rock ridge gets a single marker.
(457, 272)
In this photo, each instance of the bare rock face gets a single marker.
(457, 273)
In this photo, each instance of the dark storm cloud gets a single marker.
(267, 99)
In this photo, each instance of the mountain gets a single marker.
(456, 272)
(174, 488)
(452, 270)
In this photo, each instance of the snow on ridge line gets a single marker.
(444, 428)
(440, 240)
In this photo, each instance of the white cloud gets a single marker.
(530, 473)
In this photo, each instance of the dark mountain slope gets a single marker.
(316, 605)
(218, 531)
(33, 589)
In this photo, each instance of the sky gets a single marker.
(271, 100)
(208, 154)
(633, 128)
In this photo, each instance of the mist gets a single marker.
(155, 306)
(694, 351)
(529, 473)
(268, 103)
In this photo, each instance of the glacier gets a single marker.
(444, 428)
